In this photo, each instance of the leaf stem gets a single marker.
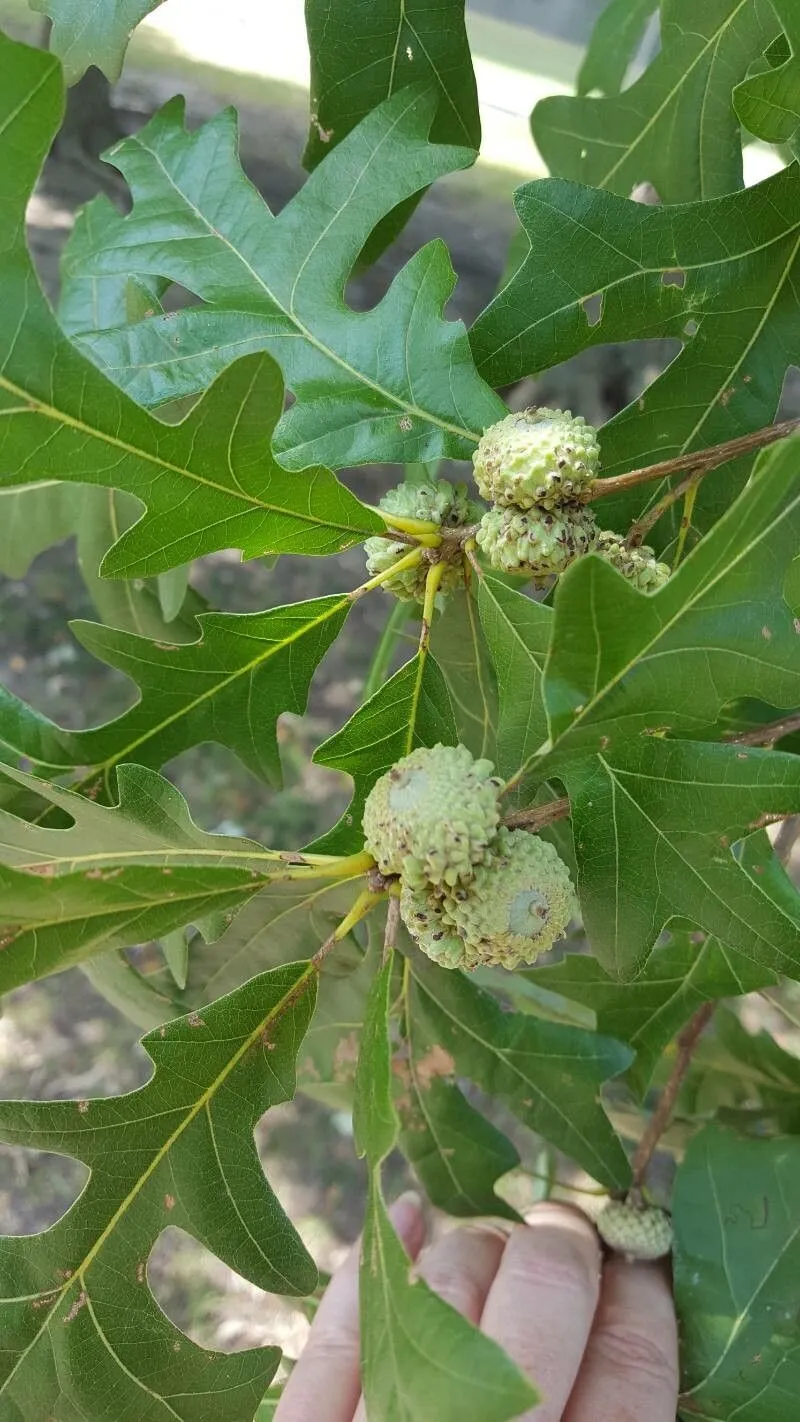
(687, 1042)
(640, 529)
(701, 461)
(410, 560)
(537, 817)
(392, 925)
(419, 528)
(689, 500)
(769, 734)
(390, 636)
(432, 582)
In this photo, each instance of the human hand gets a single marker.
(598, 1339)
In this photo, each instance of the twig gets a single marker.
(538, 816)
(687, 1042)
(641, 528)
(392, 925)
(700, 461)
(769, 734)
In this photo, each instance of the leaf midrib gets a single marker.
(201, 1104)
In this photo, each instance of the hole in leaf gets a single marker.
(37, 1188)
(675, 277)
(593, 308)
(691, 328)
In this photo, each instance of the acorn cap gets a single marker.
(539, 542)
(432, 817)
(518, 903)
(644, 1233)
(537, 456)
(638, 565)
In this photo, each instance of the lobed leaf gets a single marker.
(518, 631)
(229, 686)
(419, 1357)
(675, 127)
(648, 1012)
(720, 276)
(549, 1075)
(411, 709)
(737, 1227)
(96, 35)
(178, 1151)
(768, 104)
(394, 383)
(461, 649)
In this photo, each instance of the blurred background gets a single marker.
(59, 1038)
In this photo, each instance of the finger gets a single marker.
(325, 1383)
(460, 1268)
(542, 1302)
(630, 1371)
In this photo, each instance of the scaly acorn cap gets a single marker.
(517, 904)
(638, 565)
(423, 915)
(637, 1233)
(537, 456)
(432, 817)
(441, 503)
(539, 543)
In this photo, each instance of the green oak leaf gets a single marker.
(394, 383)
(130, 604)
(93, 34)
(669, 663)
(518, 631)
(459, 644)
(326, 1066)
(90, 303)
(658, 829)
(456, 1152)
(363, 52)
(286, 921)
(768, 104)
(737, 1252)
(229, 686)
(412, 708)
(648, 1012)
(675, 126)
(668, 272)
(33, 519)
(760, 1079)
(209, 482)
(419, 1357)
(549, 1075)
(82, 1334)
(615, 39)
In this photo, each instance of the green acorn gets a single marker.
(539, 543)
(638, 565)
(432, 817)
(517, 904)
(423, 915)
(537, 456)
(637, 1233)
(442, 503)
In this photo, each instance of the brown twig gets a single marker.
(538, 816)
(768, 735)
(687, 1042)
(700, 461)
(640, 529)
(392, 925)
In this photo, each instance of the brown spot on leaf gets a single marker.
(169, 1202)
(82, 1299)
(435, 1063)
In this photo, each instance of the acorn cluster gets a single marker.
(471, 891)
(537, 467)
(441, 503)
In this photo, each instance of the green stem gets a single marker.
(384, 651)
